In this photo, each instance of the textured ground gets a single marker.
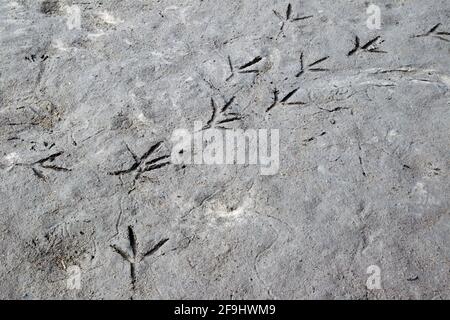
(364, 162)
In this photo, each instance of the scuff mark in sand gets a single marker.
(59, 45)
(224, 211)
